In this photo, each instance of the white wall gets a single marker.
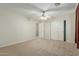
(15, 28)
(57, 28)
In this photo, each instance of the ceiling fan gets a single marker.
(45, 17)
(44, 12)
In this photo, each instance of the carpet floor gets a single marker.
(40, 47)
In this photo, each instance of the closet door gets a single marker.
(54, 30)
(57, 30)
(41, 30)
(60, 30)
(47, 30)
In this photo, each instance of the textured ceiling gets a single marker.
(34, 10)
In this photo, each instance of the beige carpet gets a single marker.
(40, 47)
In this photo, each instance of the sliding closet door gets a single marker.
(54, 30)
(57, 30)
(47, 30)
(41, 30)
(77, 26)
(44, 30)
(60, 30)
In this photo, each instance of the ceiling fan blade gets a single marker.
(35, 7)
(26, 6)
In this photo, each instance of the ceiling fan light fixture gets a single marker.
(43, 18)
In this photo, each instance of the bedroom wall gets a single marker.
(14, 28)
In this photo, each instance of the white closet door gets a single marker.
(47, 31)
(60, 29)
(41, 30)
(54, 31)
(57, 28)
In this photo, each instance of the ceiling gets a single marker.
(34, 10)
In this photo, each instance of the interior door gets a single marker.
(77, 26)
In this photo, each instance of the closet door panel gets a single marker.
(41, 30)
(54, 31)
(47, 31)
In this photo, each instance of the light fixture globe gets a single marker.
(43, 18)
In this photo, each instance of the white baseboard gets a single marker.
(16, 42)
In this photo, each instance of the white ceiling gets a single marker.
(34, 10)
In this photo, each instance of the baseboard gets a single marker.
(14, 43)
